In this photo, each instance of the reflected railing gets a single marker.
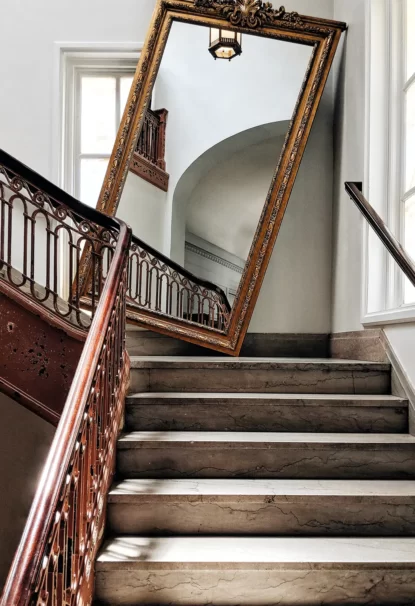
(148, 160)
(151, 142)
(158, 284)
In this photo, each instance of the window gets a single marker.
(96, 88)
(390, 155)
(102, 98)
(408, 179)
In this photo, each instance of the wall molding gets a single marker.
(212, 257)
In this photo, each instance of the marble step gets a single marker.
(266, 412)
(258, 375)
(262, 507)
(192, 454)
(254, 570)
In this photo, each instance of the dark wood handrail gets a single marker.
(182, 271)
(56, 193)
(26, 565)
(382, 230)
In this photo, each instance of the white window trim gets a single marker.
(384, 167)
(68, 56)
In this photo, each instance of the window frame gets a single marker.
(68, 58)
(79, 64)
(383, 281)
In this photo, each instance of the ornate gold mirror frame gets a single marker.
(249, 16)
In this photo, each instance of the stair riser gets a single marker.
(260, 381)
(231, 415)
(307, 461)
(379, 585)
(306, 517)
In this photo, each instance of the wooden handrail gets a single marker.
(55, 193)
(382, 230)
(28, 578)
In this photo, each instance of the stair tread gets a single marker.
(143, 552)
(279, 398)
(140, 439)
(253, 363)
(132, 490)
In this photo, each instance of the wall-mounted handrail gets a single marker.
(382, 230)
(55, 559)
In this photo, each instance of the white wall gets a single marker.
(27, 69)
(224, 208)
(296, 294)
(349, 148)
(142, 206)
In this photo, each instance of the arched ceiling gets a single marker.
(225, 189)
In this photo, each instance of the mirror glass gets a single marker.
(209, 146)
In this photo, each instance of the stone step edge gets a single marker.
(263, 491)
(303, 364)
(262, 440)
(265, 399)
(277, 553)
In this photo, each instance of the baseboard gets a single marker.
(147, 343)
(374, 346)
(358, 345)
(401, 385)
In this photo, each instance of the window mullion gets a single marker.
(397, 58)
(78, 136)
(117, 102)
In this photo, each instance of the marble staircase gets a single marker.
(261, 481)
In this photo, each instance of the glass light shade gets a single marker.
(224, 44)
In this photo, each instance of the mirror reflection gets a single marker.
(207, 152)
(203, 163)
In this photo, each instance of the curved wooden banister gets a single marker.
(382, 230)
(80, 462)
(56, 193)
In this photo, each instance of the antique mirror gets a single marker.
(207, 152)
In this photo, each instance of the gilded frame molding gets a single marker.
(249, 16)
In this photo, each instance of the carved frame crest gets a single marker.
(249, 16)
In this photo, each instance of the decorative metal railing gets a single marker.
(43, 232)
(54, 563)
(157, 284)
